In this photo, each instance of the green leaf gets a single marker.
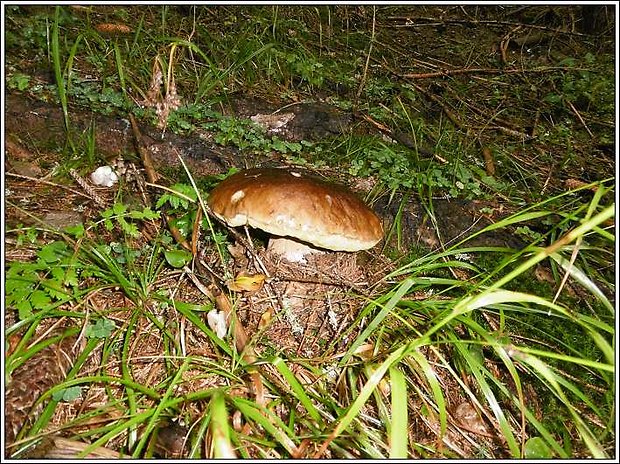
(52, 252)
(68, 394)
(119, 208)
(297, 388)
(536, 448)
(19, 81)
(399, 438)
(145, 214)
(220, 428)
(76, 231)
(101, 329)
(71, 277)
(40, 300)
(24, 309)
(178, 258)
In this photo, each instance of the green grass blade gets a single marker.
(433, 382)
(220, 429)
(152, 423)
(267, 420)
(480, 373)
(399, 436)
(56, 60)
(354, 410)
(585, 433)
(402, 289)
(297, 389)
(581, 277)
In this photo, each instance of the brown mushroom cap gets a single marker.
(292, 204)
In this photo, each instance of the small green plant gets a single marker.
(246, 135)
(67, 394)
(586, 88)
(103, 328)
(120, 215)
(395, 169)
(63, 76)
(49, 281)
(18, 81)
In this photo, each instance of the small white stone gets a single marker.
(104, 176)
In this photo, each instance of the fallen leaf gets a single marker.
(111, 29)
(265, 318)
(246, 282)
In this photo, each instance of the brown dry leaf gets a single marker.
(489, 163)
(467, 416)
(245, 282)
(11, 343)
(576, 183)
(544, 275)
(265, 319)
(365, 351)
(112, 29)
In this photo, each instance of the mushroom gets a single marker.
(302, 212)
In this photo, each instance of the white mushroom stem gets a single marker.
(292, 250)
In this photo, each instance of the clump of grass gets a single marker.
(419, 335)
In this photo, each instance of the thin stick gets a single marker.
(34, 179)
(434, 22)
(372, 39)
(455, 72)
(151, 174)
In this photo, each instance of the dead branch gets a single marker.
(432, 22)
(47, 182)
(456, 72)
(151, 174)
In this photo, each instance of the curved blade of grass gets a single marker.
(581, 277)
(433, 382)
(47, 413)
(501, 386)
(399, 436)
(104, 262)
(118, 57)
(297, 389)
(197, 438)
(585, 433)
(480, 373)
(397, 295)
(354, 410)
(563, 382)
(146, 432)
(500, 350)
(490, 297)
(266, 419)
(220, 428)
(608, 351)
(126, 372)
(531, 418)
(60, 81)
(128, 425)
(104, 379)
(569, 237)
(20, 356)
(570, 359)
